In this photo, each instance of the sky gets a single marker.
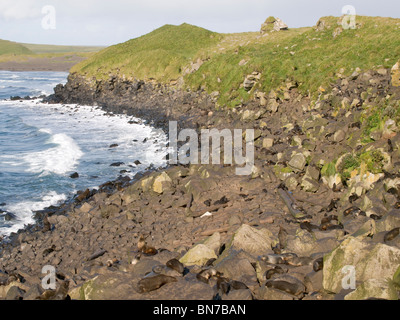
(103, 23)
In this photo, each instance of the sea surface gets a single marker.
(41, 145)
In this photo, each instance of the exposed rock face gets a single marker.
(133, 98)
(344, 185)
(396, 75)
(273, 24)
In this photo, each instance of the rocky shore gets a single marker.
(323, 195)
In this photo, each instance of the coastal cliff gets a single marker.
(323, 193)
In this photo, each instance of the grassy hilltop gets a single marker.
(311, 56)
(9, 47)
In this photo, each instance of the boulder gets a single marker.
(268, 25)
(237, 269)
(298, 162)
(111, 286)
(162, 183)
(213, 242)
(371, 261)
(374, 288)
(273, 24)
(251, 240)
(198, 255)
(396, 75)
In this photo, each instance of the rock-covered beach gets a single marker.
(323, 195)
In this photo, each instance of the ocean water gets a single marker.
(41, 145)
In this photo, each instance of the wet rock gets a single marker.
(75, 175)
(117, 164)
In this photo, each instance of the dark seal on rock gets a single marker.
(291, 288)
(174, 264)
(391, 235)
(153, 283)
(318, 264)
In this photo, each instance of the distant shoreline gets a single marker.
(58, 63)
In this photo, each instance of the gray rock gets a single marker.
(298, 162)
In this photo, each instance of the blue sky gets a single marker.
(94, 22)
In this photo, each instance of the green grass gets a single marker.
(159, 55)
(309, 57)
(46, 48)
(9, 47)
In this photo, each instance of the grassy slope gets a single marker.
(160, 54)
(9, 47)
(45, 48)
(310, 57)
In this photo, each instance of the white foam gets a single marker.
(59, 159)
(25, 209)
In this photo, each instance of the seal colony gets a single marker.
(323, 194)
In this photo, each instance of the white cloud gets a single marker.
(19, 9)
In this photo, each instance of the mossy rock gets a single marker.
(371, 261)
(198, 255)
(374, 288)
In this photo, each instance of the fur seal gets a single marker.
(60, 294)
(144, 248)
(176, 265)
(391, 235)
(353, 211)
(318, 264)
(238, 285)
(136, 259)
(223, 285)
(285, 286)
(308, 226)
(299, 261)
(206, 274)
(155, 282)
(375, 217)
(273, 259)
(111, 262)
(277, 270)
(46, 224)
(282, 236)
